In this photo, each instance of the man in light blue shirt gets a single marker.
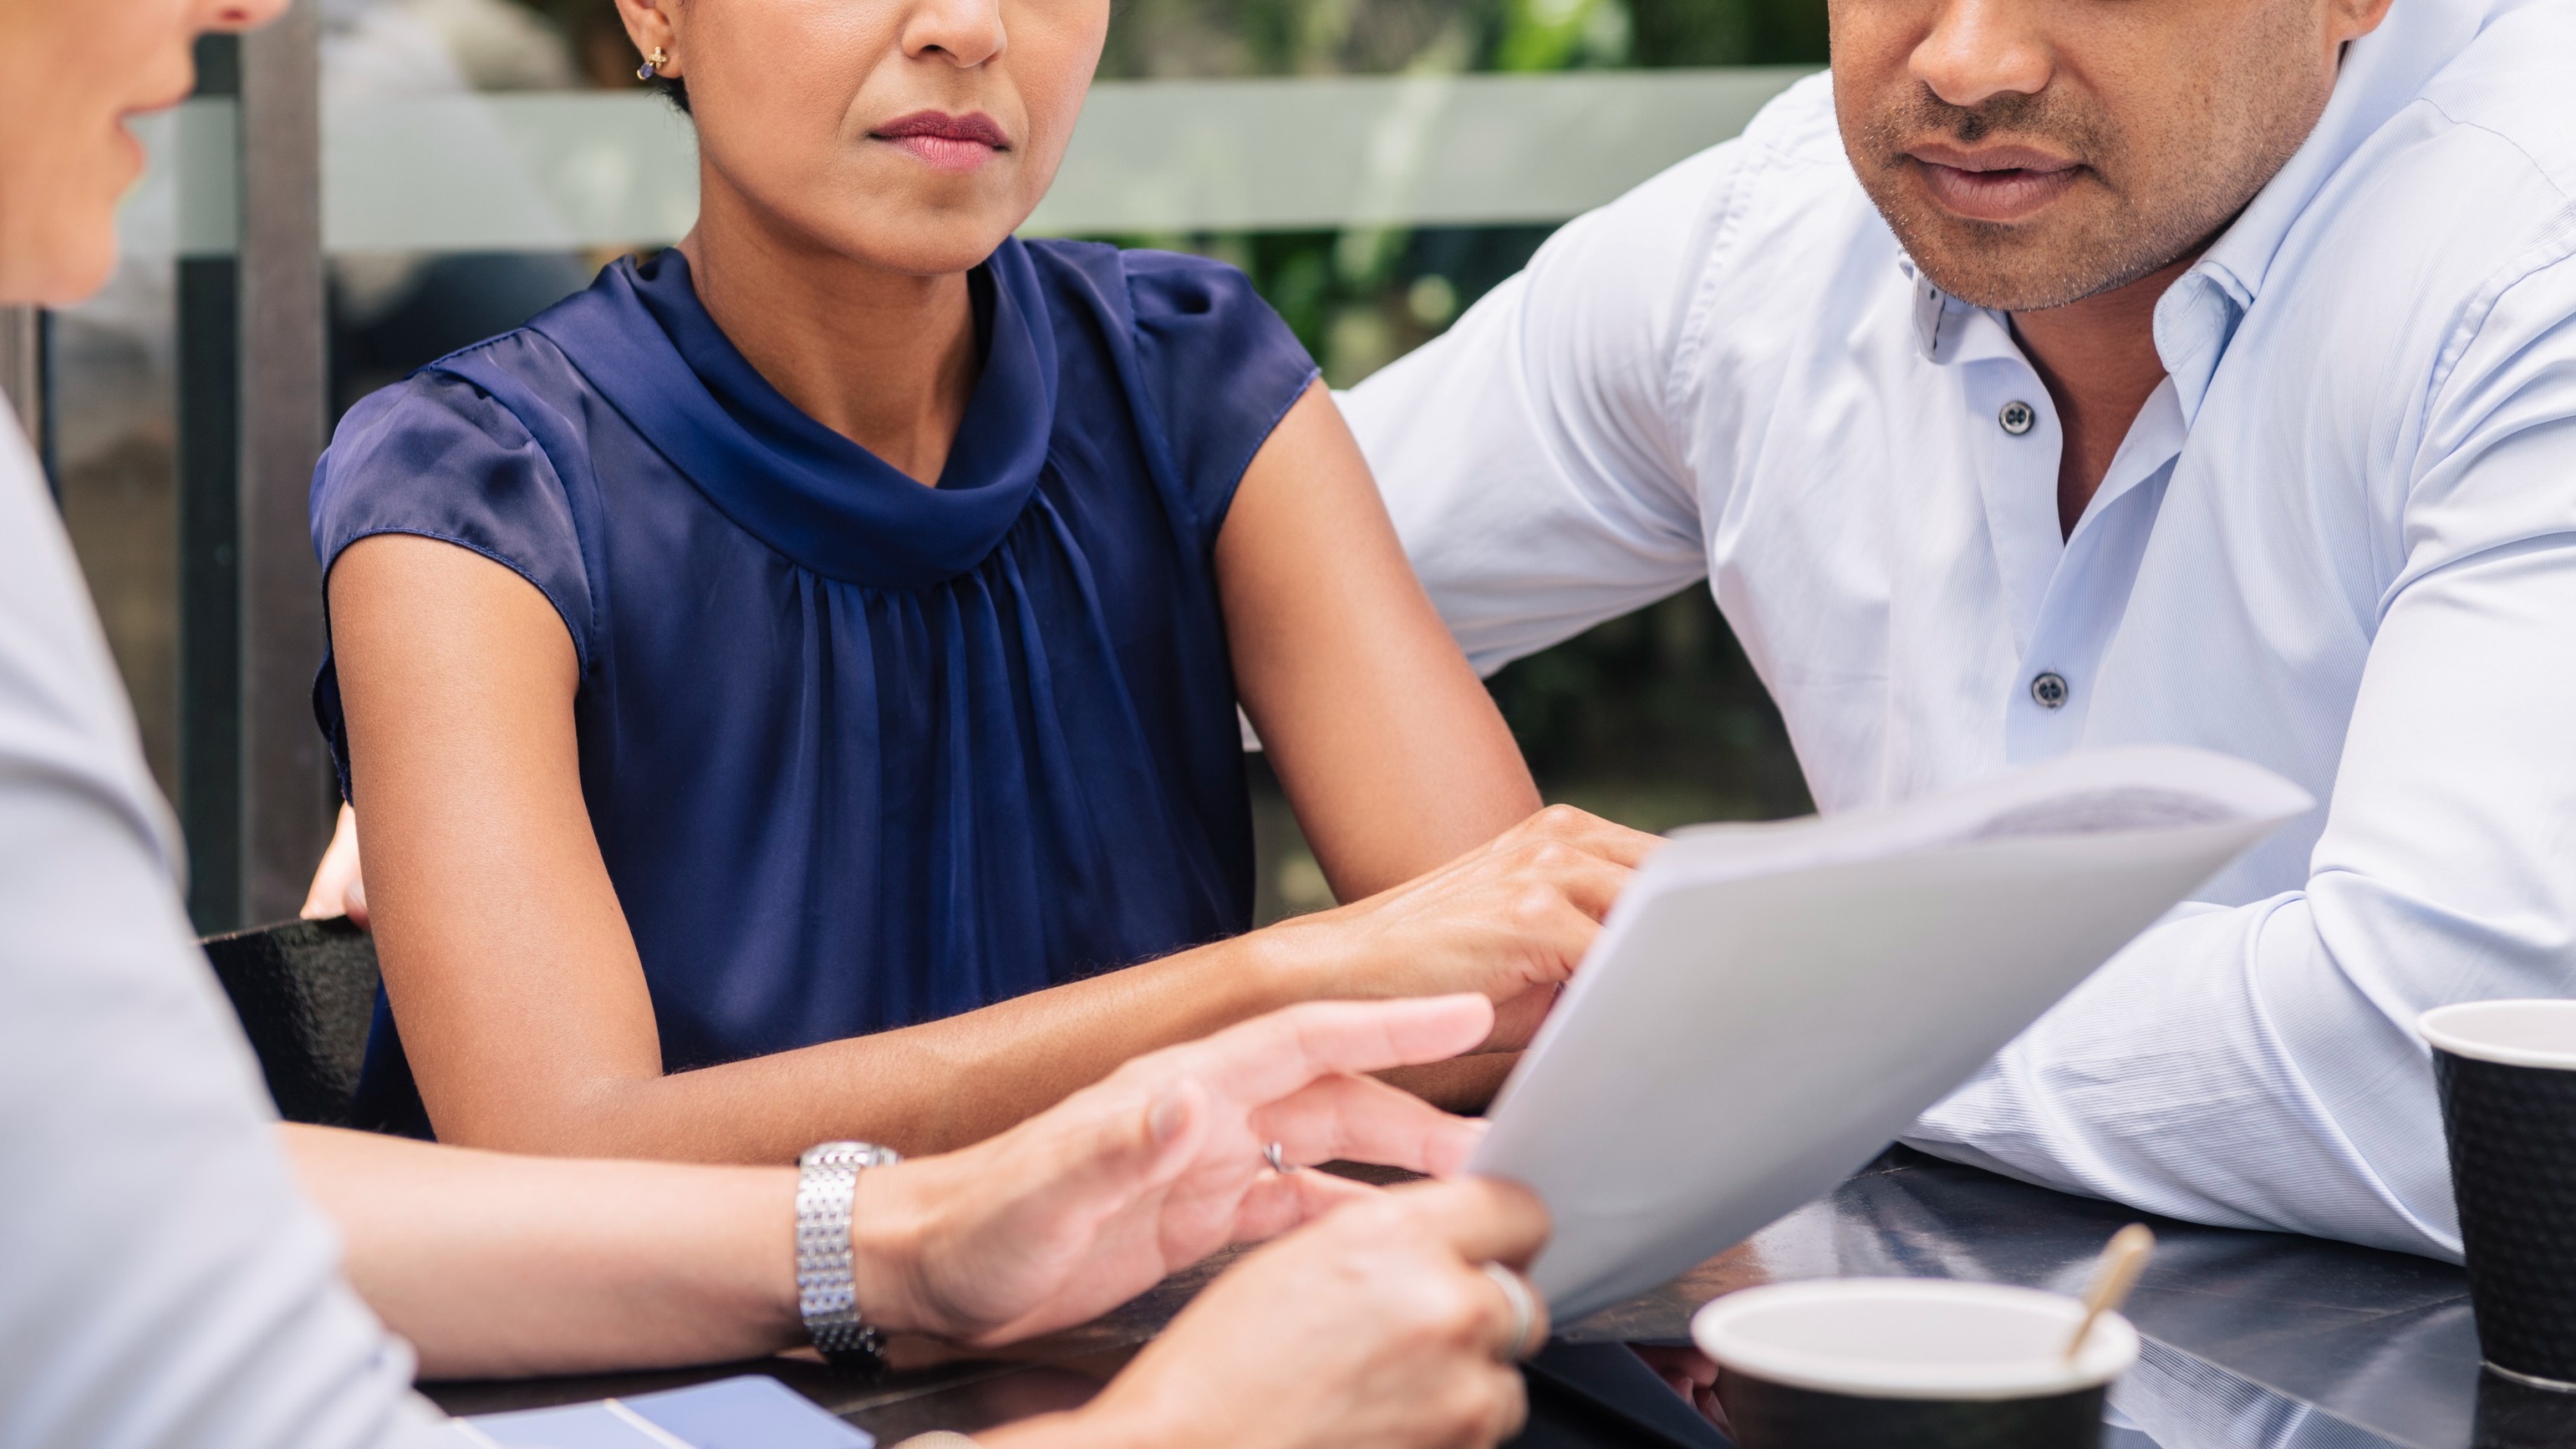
(2064, 374)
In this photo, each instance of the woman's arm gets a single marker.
(1387, 744)
(523, 1003)
(495, 1264)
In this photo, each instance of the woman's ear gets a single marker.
(651, 25)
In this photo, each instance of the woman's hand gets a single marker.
(338, 889)
(1375, 1326)
(1090, 1203)
(1509, 920)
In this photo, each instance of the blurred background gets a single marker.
(1374, 165)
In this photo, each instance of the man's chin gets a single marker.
(2018, 267)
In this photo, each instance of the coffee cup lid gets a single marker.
(1912, 1338)
(2533, 1033)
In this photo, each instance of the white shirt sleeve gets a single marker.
(2258, 1066)
(165, 1283)
(1528, 455)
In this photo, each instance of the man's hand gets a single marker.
(1375, 1326)
(1088, 1204)
(1509, 920)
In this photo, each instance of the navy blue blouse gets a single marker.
(861, 753)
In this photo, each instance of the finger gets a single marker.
(1522, 1326)
(1552, 936)
(1611, 841)
(1517, 1021)
(1361, 1119)
(1685, 1370)
(1480, 1217)
(1269, 1057)
(1589, 882)
(1511, 1404)
(1276, 1204)
(1114, 1151)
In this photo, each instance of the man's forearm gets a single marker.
(501, 1265)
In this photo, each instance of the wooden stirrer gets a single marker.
(2114, 1274)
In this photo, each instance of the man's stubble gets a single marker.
(2163, 173)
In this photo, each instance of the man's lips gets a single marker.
(946, 142)
(1992, 183)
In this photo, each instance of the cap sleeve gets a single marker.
(1221, 366)
(437, 457)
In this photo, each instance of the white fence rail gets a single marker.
(524, 172)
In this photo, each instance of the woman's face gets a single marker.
(910, 134)
(72, 73)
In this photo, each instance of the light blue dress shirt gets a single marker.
(162, 1280)
(2340, 541)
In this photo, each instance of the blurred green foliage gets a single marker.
(1151, 38)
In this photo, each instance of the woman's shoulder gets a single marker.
(1153, 288)
(1214, 368)
(459, 452)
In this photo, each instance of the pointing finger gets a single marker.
(1480, 1217)
(1361, 1119)
(1269, 1057)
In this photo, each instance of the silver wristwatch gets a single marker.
(826, 1184)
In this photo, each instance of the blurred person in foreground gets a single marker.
(2057, 374)
(169, 1272)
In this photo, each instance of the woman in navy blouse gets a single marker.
(781, 683)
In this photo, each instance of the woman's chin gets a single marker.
(62, 268)
(929, 245)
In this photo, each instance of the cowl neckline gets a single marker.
(641, 337)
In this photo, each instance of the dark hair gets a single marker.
(674, 90)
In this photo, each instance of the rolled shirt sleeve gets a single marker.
(2258, 1066)
(1527, 454)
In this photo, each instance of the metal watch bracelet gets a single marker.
(827, 1184)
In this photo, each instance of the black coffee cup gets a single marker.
(1876, 1363)
(2507, 1073)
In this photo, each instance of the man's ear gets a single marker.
(649, 24)
(2346, 20)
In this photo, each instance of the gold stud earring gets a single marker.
(653, 64)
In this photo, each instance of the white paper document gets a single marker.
(1770, 1005)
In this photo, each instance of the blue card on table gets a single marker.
(736, 1413)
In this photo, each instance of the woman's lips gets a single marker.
(945, 142)
(2004, 184)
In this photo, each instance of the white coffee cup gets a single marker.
(1910, 1360)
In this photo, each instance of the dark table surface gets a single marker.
(2251, 1339)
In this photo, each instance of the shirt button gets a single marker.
(2050, 690)
(2017, 417)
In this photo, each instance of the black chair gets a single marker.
(306, 994)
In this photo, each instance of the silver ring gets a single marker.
(1524, 1310)
(1277, 1159)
